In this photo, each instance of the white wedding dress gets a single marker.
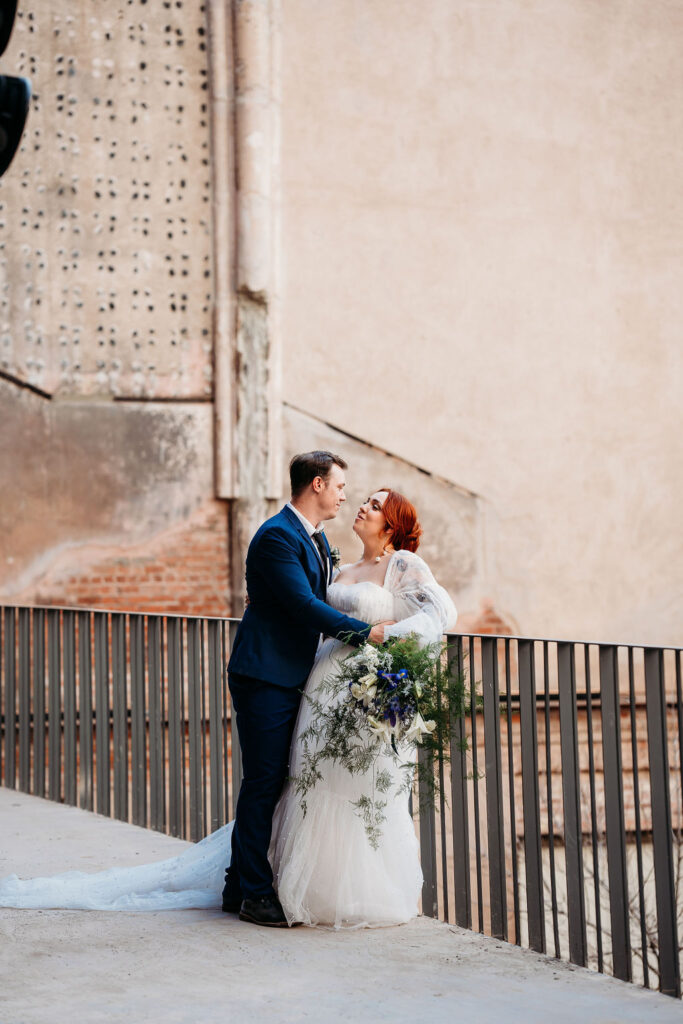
(326, 871)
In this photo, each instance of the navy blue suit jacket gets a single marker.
(278, 636)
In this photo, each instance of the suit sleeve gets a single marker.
(276, 559)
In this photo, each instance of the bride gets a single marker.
(325, 870)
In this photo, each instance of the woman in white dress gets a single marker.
(326, 870)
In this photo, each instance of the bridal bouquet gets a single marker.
(381, 706)
(388, 697)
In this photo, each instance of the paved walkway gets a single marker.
(188, 966)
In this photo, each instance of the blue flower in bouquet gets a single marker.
(387, 699)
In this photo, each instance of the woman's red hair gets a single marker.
(401, 517)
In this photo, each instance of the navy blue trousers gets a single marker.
(266, 716)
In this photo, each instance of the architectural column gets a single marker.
(244, 38)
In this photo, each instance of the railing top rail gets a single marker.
(118, 611)
(452, 633)
(567, 640)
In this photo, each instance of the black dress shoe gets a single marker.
(232, 906)
(266, 910)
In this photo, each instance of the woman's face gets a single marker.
(370, 523)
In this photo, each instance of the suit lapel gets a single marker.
(310, 543)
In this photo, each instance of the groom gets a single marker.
(288, 570)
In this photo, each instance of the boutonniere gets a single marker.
(335, 557)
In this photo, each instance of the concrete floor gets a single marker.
(189, 966)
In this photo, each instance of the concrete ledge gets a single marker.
(187, 966)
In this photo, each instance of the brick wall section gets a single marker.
(184, 570)
(487, 619)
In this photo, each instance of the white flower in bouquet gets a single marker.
(418, 728)
(381, 728)
(365, 689)
(367, 657)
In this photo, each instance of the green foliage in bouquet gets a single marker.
(382, 706)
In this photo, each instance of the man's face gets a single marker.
(331, 495)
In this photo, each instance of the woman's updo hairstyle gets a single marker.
(401, 517)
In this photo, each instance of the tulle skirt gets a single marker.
(326, 870)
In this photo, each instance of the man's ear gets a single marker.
(318, 483)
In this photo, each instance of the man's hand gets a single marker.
(377, 632)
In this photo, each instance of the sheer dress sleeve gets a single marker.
(421, 606)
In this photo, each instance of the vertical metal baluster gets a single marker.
(183, 729)
(120, 693)
(165, 726)
(494, 788)
(549, 798)
(430, 901)
(533, 862)
(511, 784)
(102, 713)
(39, 719)
(636, 805)
(85, 715)
(459, 803)
(193, 687)
(679, 717)
(10, 698)
(69, 689)
(156, 780)
(475, 772)
(2, 714)
(614, 807)
(662, 837)
(215, 726)
(175, 813)
(235, 752)
(571, 792)
(138, 728)
(25, 700)
(54, 659)
(442, 806)
(594, 815)
(224, 720)
(205, 724)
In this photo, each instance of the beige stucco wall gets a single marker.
(481, 272)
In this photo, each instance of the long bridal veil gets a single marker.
(194, 879)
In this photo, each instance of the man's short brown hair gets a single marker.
(303, 469)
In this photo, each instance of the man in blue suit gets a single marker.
(288, 569)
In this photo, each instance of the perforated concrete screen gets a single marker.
(105, 247)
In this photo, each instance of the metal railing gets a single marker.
(558, 822)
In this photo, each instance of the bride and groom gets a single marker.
(319, 859)
(294, 862)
